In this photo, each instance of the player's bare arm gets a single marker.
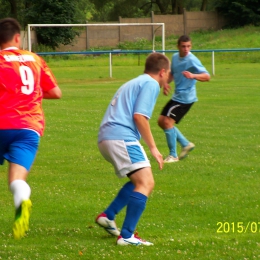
(54, 93)
(199, 77)
(143, 127)
(170, 77)
(166, 87)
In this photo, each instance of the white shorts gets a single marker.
(125, 156)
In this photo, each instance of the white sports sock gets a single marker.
(21, 191)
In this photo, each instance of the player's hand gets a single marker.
(157, 155)
(188, 75)
(166, 89)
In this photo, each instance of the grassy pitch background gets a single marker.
(204, 207)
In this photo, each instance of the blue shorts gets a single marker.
(19, 146)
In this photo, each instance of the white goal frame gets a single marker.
(92, 25)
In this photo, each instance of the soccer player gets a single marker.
(125, 122)
(25, 80)
(186, 69)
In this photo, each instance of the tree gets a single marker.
(54, 12)
(15, 9)
(13, 5)
(48, 11)
(240, 12)
(203, 5)
(100, 10)
(174, 5)
(162, 5)
(5, 9)
(110, 10)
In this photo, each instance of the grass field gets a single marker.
(204, 207)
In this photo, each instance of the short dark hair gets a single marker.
(8, 28)
(184, 38)
(155, 62)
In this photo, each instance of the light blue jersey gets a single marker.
(137, 96)
(185, 89)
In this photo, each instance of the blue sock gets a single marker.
(181, 138)
(171, 137)
(120, 200)
(135, 208)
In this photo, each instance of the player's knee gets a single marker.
(146, 187)
(150, 186)
(160, 122)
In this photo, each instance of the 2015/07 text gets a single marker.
(238, 227)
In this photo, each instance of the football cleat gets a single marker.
(185, 150)
(21, 222)
(108, 225)
(133, 240)
(171, 159)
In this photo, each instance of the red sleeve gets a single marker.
(48, 80)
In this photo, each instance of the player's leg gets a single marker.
(116, 153)
(172, 113)
(106, 218)
(172, 135)
(186, 145)
(167, 124)
(21, 193)
(127, 157)
(144, 182)
(181, 138)
(20, 154)
(166, 121)
(120, 200)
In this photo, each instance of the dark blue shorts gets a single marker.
(19, 146)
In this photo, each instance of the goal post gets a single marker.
(93, 25)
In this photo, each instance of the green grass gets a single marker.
(71, 183)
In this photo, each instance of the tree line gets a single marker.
(238, 12)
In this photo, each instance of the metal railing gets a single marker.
(118, 51)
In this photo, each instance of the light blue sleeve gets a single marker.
(196, 66)
(147, 98)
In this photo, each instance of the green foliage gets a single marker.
(53, 12)
(125, 8)
(110, 10)
(84, 10)
(5, 9)
(16, 9)
(240, 12)
(42, 48)
(138, 44)
(244, 37)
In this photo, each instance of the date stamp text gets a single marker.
(238, 227)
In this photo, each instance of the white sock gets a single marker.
(21, 191)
